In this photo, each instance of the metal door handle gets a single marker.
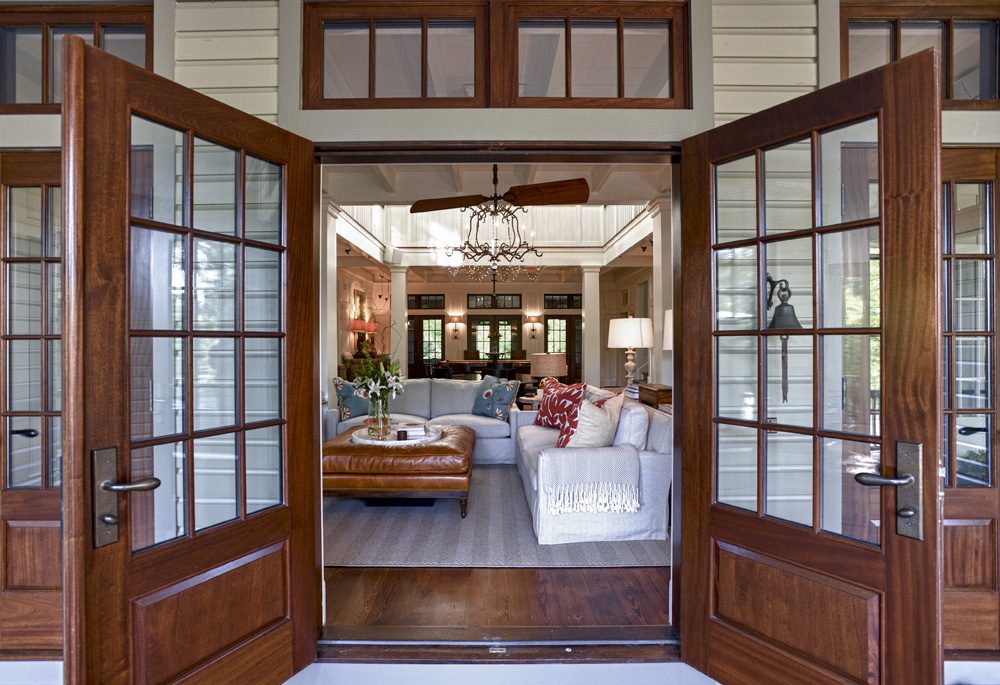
(141, 485)
(875, 480)
(26, 432)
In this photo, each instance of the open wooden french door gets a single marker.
(810, 260)
(192, 392)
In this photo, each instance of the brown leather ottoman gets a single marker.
(439, 468)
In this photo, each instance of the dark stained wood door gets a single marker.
(30, 498)
(971, 501)
(811, 349)
(191, 309)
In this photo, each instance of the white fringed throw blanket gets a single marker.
(593, 479)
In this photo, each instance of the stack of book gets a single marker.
(410, 431)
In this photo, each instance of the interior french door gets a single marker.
(191, 422)
(810, 303)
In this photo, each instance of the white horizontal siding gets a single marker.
(229, 51)
(765, 52)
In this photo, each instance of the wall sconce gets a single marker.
(533, 320)
(455, 320)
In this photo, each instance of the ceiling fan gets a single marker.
(569, 192)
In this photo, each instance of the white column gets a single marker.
(397, 315)
(591, 324)
(660, 362)
(329, 324)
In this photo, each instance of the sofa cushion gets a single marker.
(596, 424)
(633, 425)
(394, 418)
(349, 404)
(560, 405)
(415, 399)
(494, 397)
(593, 393)
(661, 433)
(484, 427)
(450, 396)
(530, 441)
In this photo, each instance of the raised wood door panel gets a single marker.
(192, 292)
(971, 501)
(810, 299)
(30, 497)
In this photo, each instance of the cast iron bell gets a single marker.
(784, 319)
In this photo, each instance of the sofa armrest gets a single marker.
(331, 417)
(550, 455)
(520, 417)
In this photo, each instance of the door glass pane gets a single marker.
(972, 373)
(262, 371)
(397, 59)
(736, 199)
(24, 299)
(594, 58)
(869, 46)
(921, 35)
(647, 59)
(55, 375)
(736, 466)
(852, 286)
(22, 51)
(789, 477)
(846, 507)
(55, 451)
(969, 225)
(791, 261)
(975, 60)
(161, 514)
(125, 42)
(54, 247)
(216, 480)
(788, 187)
(24, 450)
(55, 295)
(214, 285)
(214, 382)
(973, 452)
(157, 386)
(57, 47)
(737, 377)
(789, 380)
(24, 216)
(262, 290)
(24, 380)
(451, 59)
(215, 169)
(736, 289)
(157, 280)
(157, 172)
(345, 59)
(541, 52)
(849, 179)
(263, 201)
(972, 295)
(851, 383)
(263, 468)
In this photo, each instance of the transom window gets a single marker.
(425, 301)
(966, 37)
(32, 45)
(491, 301)
(569, 301)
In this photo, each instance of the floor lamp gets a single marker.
(629, 334)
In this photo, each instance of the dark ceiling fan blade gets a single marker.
(570, 192)
(437, 203)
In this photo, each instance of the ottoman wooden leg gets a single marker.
(463, 506)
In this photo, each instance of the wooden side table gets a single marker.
(655, 394)
(529, 402)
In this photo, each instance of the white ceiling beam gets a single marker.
(599, 176)
(530, 173)
(458, 177)
(663, 182)
(387, 175)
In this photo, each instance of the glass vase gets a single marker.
(378, 416)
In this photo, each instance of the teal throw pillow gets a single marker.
(350, 404)
(495, 397)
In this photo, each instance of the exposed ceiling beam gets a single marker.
(458, 177)
(529, 176)
(599, 176)
(665, 179)
(387, 175)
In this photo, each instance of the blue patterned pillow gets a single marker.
(494, 398)
(350, 404)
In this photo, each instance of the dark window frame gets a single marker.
(553, 301)
(494, 303)
(48, 16)
(419, 301)
(895, 11)
(316, 14)
(517, 326)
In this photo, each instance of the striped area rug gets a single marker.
(496, 533)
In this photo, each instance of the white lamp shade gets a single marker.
(630, 333)
(543, 365)
(668, 329)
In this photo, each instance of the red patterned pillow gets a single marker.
(560, 405)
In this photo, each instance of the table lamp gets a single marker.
(629, 334)
(544, 365)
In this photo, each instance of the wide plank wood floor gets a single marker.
(497, 597)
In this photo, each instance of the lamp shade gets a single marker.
(543, 364)
(454, 318)
(668, 329)
(630, 333)
(533, 318)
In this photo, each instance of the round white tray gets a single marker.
(360, 437)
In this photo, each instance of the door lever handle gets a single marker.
(876, 480)
(26, 432)
(141, 485)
